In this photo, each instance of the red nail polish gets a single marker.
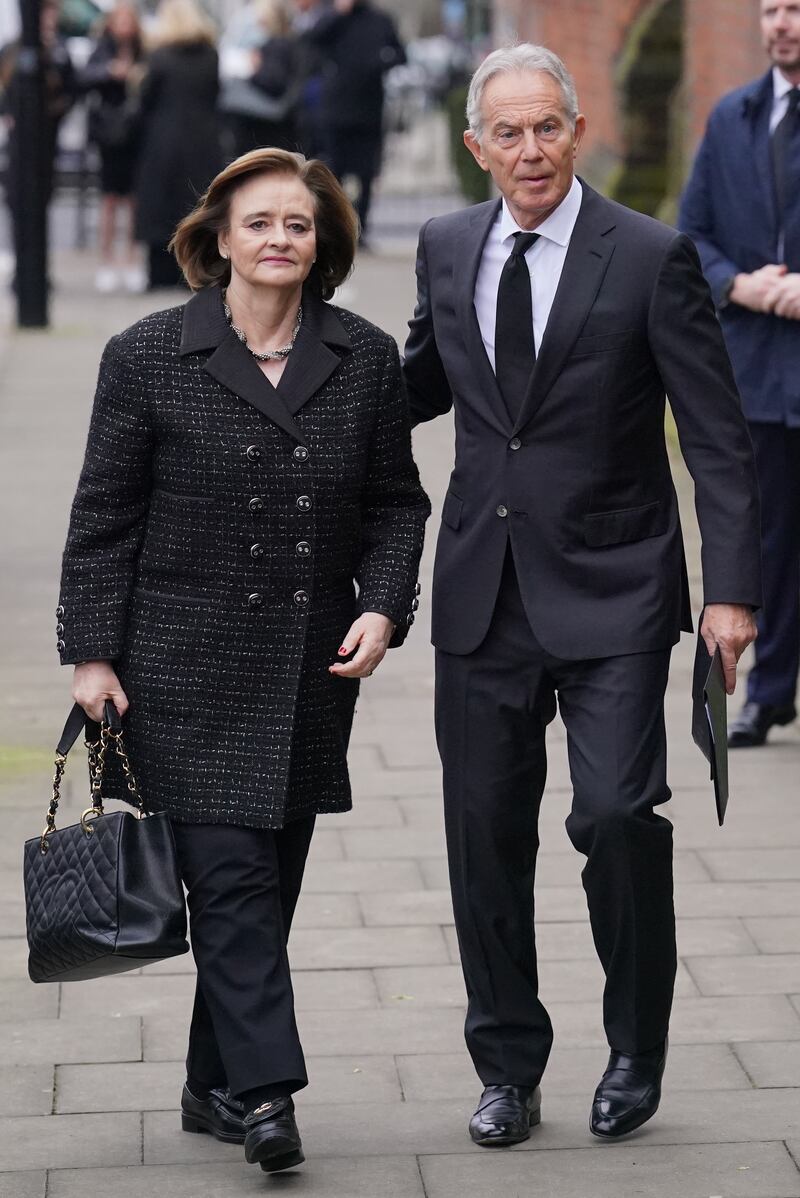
(342, 649)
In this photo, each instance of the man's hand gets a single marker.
(784, 296)
(731, 627)
(93, 683)
(755, 291)
(370, 634)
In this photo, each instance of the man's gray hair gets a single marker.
(523, 57)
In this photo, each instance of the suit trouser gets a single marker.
(777, 650)
(243, 885)
(492, 708)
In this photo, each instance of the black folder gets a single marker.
(710, 720)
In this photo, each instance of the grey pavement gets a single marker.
(90, 1073)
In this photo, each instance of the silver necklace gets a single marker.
(269, 355)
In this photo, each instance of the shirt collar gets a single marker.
(780, 84)
(559, 224)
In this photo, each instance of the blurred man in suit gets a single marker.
(742, 209)
(554, 321)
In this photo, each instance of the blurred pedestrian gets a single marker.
(111, 77)
(305, 15)
(249, 459)
(60, 91)
(260, 82)
(742, 208)
(181, 150)
(359, 44)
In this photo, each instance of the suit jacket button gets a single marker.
(302, 549)
(300, 453)
(301, 598)
(515, 443)
(502, 510)
(304, 503)
(256, 504)
(255, 600)
(59, 611)
(257, 550)
(60, 646)
(253, 453)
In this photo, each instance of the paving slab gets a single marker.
(780, 934)
(733, 1170)
(694, 1020)
(20, 995)
(355, 947)
(23, 1185)
(353, 1177)
(778, 973)
(60, 1041)
(26, 1089)
(69, 1141)
(752, 865)
(367, 813)
(355, 877)
(769, 1065)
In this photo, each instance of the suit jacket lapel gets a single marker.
(465, 274)
(310, 364)
(585, 265)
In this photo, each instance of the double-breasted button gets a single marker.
(255, 600)
(60, 646)
(304, 503)
(515, 443)
(59, 611)
(253, 453)
(59, 629)
(257, 550)
(300, 453)
(256, 504)
(302, 549)
(301, 598)
(502, 510)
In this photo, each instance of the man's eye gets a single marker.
(507, 135)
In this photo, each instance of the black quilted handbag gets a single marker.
(103, 895)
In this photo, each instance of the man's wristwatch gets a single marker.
(725, 293)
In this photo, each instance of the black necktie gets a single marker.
(781, 142)
(514, 347)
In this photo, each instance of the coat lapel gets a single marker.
(756, 109)
(585, 265)
(310, 364)
(465, 275)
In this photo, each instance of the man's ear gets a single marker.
(474, 147)
(580, 129)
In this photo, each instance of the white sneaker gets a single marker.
(105, 280)
(134, 279)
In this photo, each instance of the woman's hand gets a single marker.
(370, 635)
(93, 683)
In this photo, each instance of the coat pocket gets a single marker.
(628, 524)
(451, 511)
(168, 663)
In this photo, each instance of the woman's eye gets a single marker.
(298, 229)
(257, 225)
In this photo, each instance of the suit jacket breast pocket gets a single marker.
(602, 343)
(627, 524)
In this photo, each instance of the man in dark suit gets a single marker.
(742, 209)
(554, 321)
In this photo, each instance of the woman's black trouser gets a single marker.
(243, 885)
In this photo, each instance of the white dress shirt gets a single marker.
(545, 261)
(780, 98)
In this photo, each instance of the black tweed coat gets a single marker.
(224, 536)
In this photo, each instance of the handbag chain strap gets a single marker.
(96, 751)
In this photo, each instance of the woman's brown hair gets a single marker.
(194, 243)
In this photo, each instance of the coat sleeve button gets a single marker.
(59, 611)
(60, 646)
(59, 629)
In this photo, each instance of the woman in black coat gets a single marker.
(243, 548)
(181, 149)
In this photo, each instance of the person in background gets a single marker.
(359, 44)
(305, 15)
(259, 78)
(181, 150)
(111, 76)
(60, 92)
(741, 207)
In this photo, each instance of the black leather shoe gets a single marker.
(629, 1092)
(754, 721)
(219, 1115)
(505, 1115)
(272, 1138)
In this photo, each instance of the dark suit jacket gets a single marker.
(584, 474)
(217, 533)
(728, 209)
